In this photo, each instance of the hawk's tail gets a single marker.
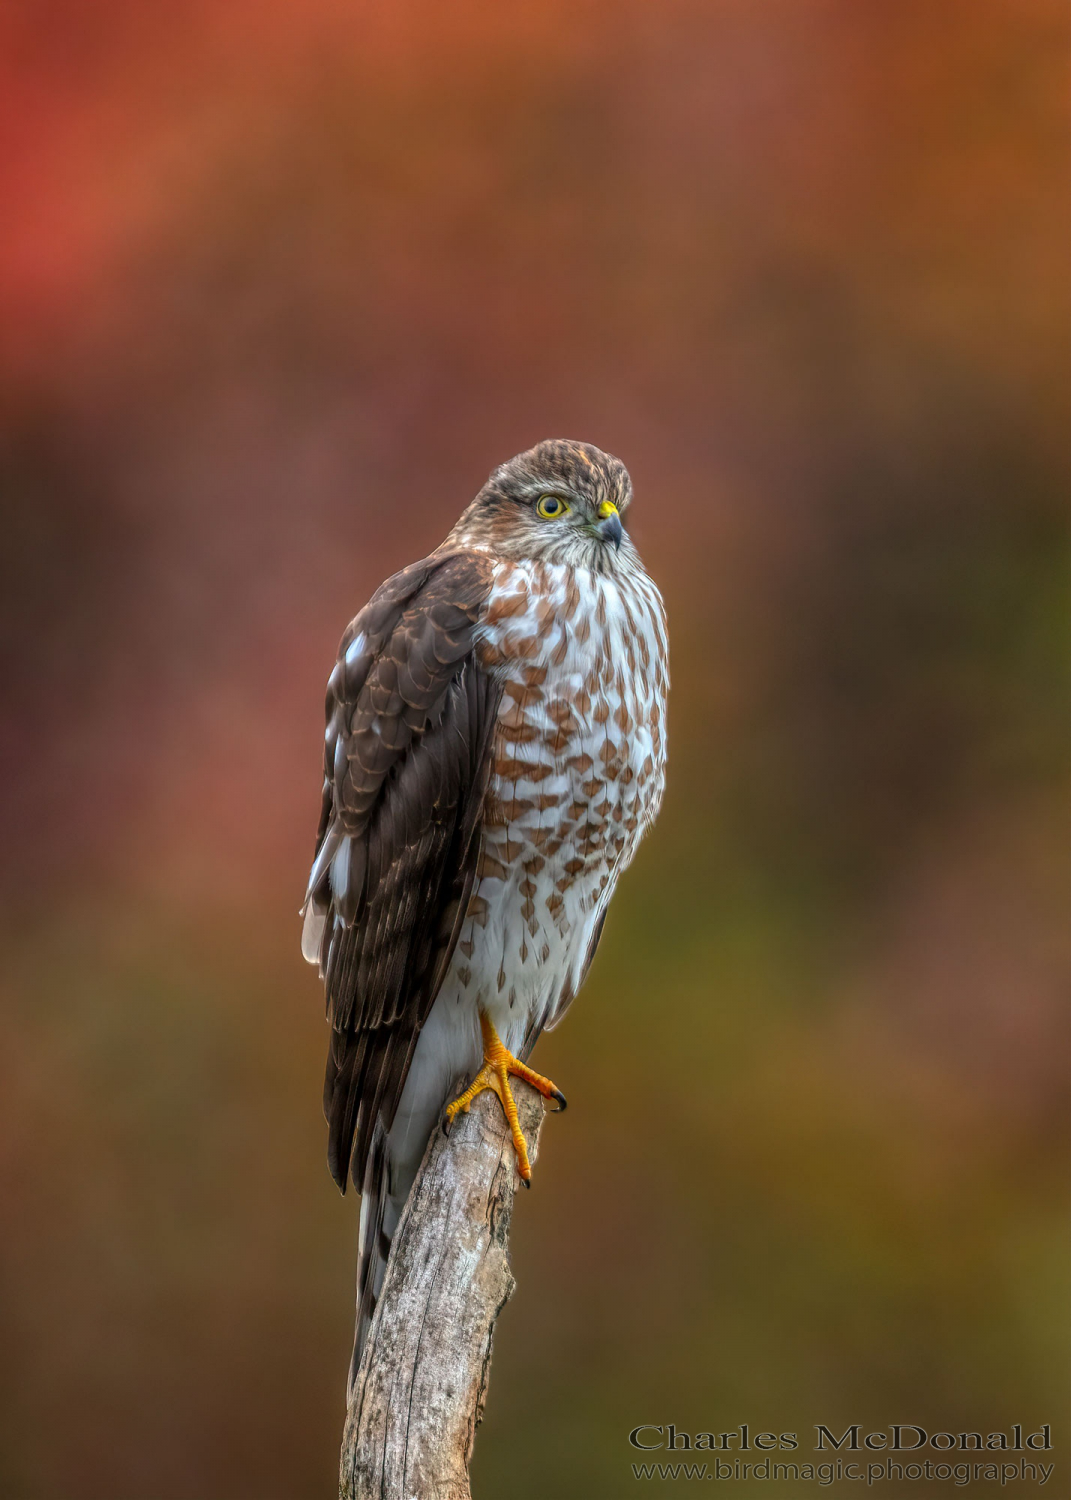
(388, 1180)
(379, 1219)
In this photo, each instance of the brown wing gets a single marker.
(409, 722)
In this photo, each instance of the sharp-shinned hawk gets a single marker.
(495, 751)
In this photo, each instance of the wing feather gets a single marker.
(410, 717)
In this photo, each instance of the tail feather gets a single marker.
(393, 1159)
(379, 1219)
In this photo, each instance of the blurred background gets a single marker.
(279, 284)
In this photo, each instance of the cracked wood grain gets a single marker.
(420, 1389)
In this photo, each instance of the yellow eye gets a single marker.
(550, 507)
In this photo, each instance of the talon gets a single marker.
(498, 1066)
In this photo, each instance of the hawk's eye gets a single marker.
(550, 507)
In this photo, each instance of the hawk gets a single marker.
(495, 751)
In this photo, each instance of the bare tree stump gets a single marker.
(420, 1389)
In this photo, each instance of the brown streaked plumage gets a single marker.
(495, 749)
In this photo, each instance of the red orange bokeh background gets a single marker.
(279, 284)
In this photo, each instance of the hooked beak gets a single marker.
(609, 528)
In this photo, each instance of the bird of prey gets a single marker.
(495, 751)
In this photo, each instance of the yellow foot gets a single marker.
(498, 1065)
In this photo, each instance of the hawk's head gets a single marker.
(561, 502)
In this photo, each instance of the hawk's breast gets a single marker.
(577, 776)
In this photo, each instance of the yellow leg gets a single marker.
(498, 1065)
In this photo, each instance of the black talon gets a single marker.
(526, 1182)
(446, 1125)
(562, 1105)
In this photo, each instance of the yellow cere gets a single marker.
(607, 509)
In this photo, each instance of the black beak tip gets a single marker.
(611, 530)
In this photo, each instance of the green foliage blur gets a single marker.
(280, 284)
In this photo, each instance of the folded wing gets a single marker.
(410, 718)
